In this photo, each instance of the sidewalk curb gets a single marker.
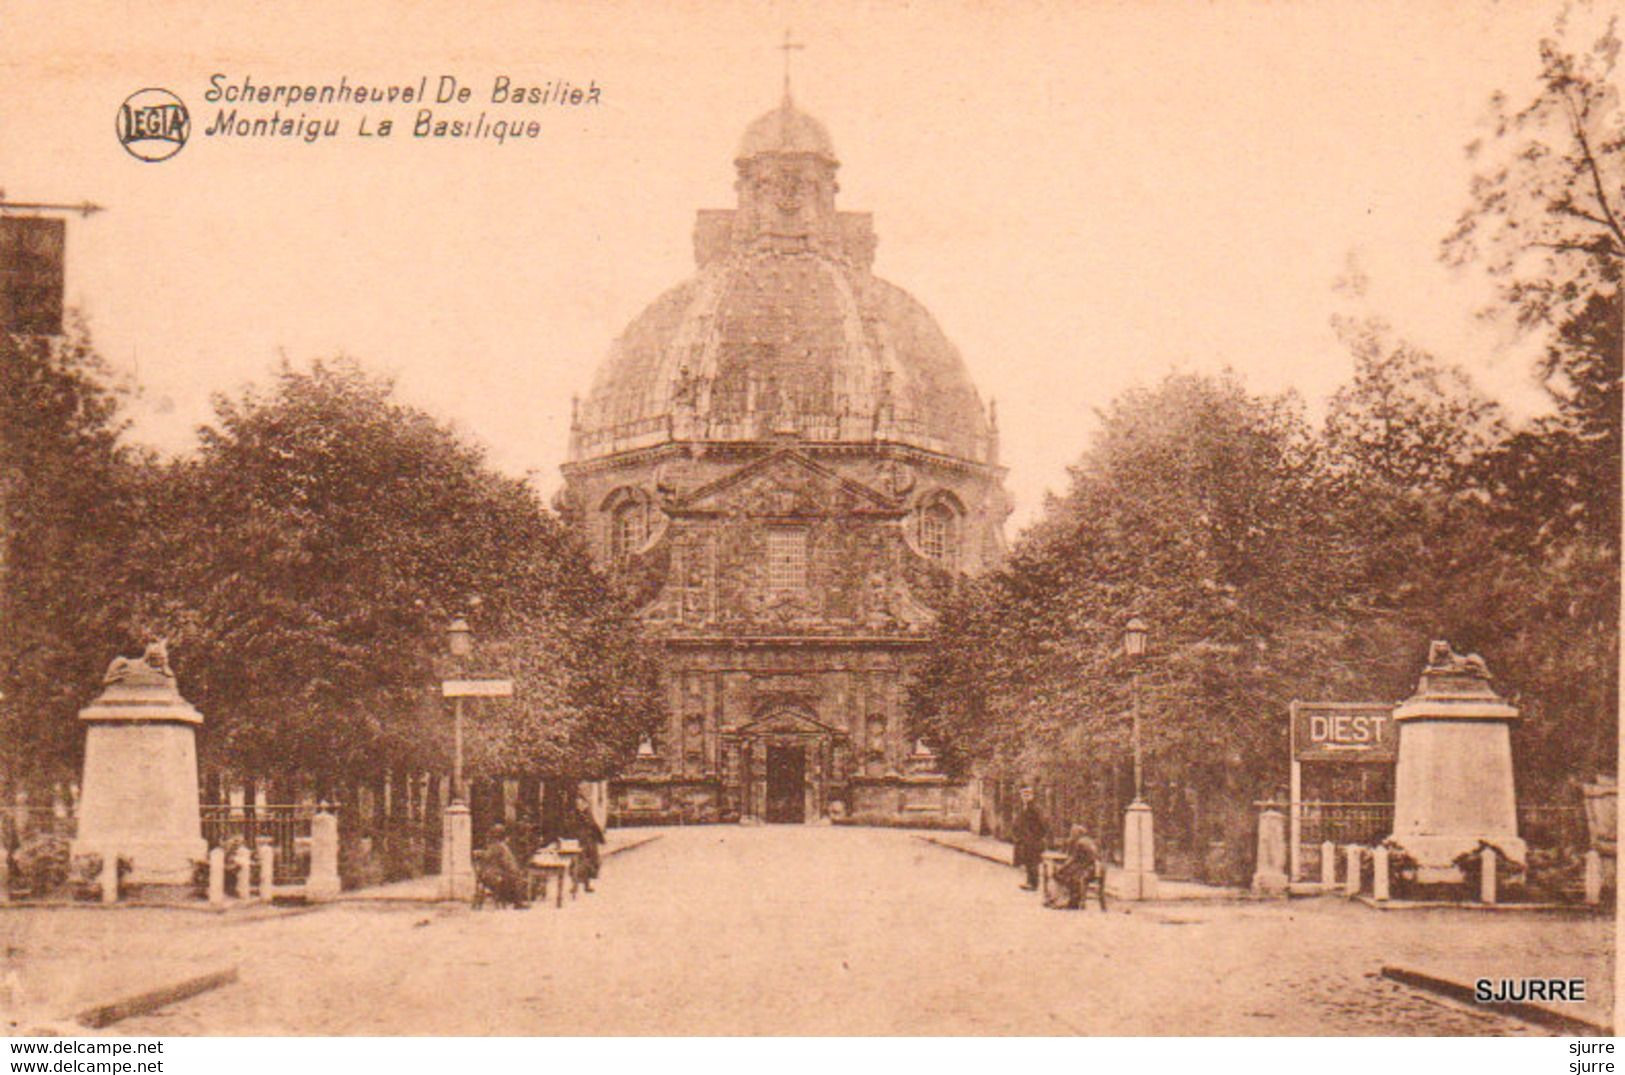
(963, 850)
(1538, 1014)
(1571, 910)
(145, 1003)
(630, 845)
(1225, 898)
(351, 899)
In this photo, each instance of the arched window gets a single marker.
(628, 529)
(937, 538)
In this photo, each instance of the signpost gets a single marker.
(1360, 732)
(457, 690)
(457, 837)
(476, 688)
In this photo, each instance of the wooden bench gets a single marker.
(1055, 894)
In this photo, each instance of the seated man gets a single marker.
(498, 870)
(1082, 866)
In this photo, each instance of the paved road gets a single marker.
(791, 930)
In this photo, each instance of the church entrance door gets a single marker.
(786, 783)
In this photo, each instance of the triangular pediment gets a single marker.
(786, 483)
(787, 722)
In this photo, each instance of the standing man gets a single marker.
(583, 828)
(1030, 835)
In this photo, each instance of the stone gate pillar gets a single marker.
(1270, 876)
(755, 779)
(140, 795)
(1453, 781)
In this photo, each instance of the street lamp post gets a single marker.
(1134, 649)
(1139, 844)
(460, 641)
(457, 826)
(457, 832)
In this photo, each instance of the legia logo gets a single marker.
(153, 124)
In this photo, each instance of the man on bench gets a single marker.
(497, 871)
(1083, 867)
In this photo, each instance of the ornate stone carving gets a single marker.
(151, 669)
(1443, 659)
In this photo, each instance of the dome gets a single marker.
(786, 129)
(784, 330)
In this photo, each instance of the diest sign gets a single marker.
(1343, 731)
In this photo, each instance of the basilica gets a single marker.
(785, 458)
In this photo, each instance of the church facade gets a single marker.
(785, 458)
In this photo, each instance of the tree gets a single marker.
(1403, 440)
(1406, 420)
(69, 496)
(1547, 222)
(1204, 509)
(312, 555)
(1547, 216)
(1558, 480)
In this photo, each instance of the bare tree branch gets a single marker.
(1575, 122)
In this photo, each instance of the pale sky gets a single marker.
(1085, 194)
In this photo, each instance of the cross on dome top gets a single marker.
(789, 46)
(786, 129)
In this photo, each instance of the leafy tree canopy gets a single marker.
(1547, 213)
(68, 494)
(311, 557)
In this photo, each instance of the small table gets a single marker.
(543, 865)
(570, 852)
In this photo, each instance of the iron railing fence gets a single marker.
(1543, 826)
(285, 826)
(24, 823)
(1345, 822)
(1547, 826)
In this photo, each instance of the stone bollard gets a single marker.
(457, 883)
(323, 883)
(1139, 876)
(109, 877)
(1379, 874)
(1593, 878)
(267, 857)
(1269, 879)
(1328, 865)
(1351, 880)
(243, 859)
(1486, 875)
(217, 876)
